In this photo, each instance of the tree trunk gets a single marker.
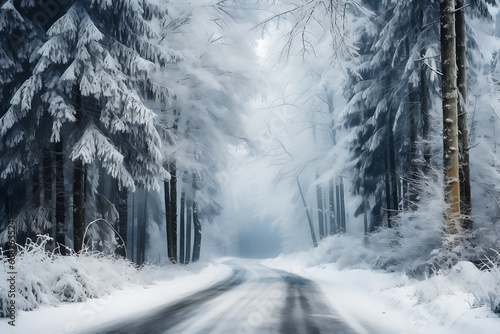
(463, 129)
(168, 223)
(424, 114)
(338, 214)
(171, 212)
(189, 207)
(123, 214)
(388, 190)
(47, 192)
(141, 243)
(197, 234)
(182, 223)
(342, 206)
(79, 204)
(79, 181)
(60, 210)
(365, 217)
(196, 225)
(319, 200)
(411, 198)
(311, 227)
(392, 168)
(133, 229)
(331, 201)
(450, 121)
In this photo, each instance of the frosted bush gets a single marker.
(45, 278)
(464, 282)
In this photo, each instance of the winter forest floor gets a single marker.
(366, 300)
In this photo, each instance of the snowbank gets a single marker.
(47, 279)
(459, 300)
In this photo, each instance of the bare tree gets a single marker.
(310, 20)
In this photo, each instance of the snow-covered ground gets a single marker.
(370, 301)
(133, 299)
(381, 302)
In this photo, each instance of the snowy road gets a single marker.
(253, 299)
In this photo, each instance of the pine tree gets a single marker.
(20, 147)
(391, 119)
(91, 82)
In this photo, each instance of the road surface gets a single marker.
(253, 299)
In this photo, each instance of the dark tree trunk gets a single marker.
(392, 166)
(196, 225)
(189, 207)
(172, 216)
(365, 216)
(182, 223)
(47, 186)
(331, 202)
(424, 114)
(168, 214)
(463, 128)
(141, 243)
(171, 212)
(342, 206)
(79, 182)
(197, 234)
(79, 204)
(424, 105)
(60, 210)
(338, 220)
(410, 199)
(123, 213)
(450, 121)
(388, 190)
(133, 228)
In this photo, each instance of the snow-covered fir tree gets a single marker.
(20, 147)
(91, 83)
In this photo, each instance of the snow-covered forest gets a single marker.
(353, 143)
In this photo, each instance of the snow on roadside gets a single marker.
(372, 301)
(70, 294)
